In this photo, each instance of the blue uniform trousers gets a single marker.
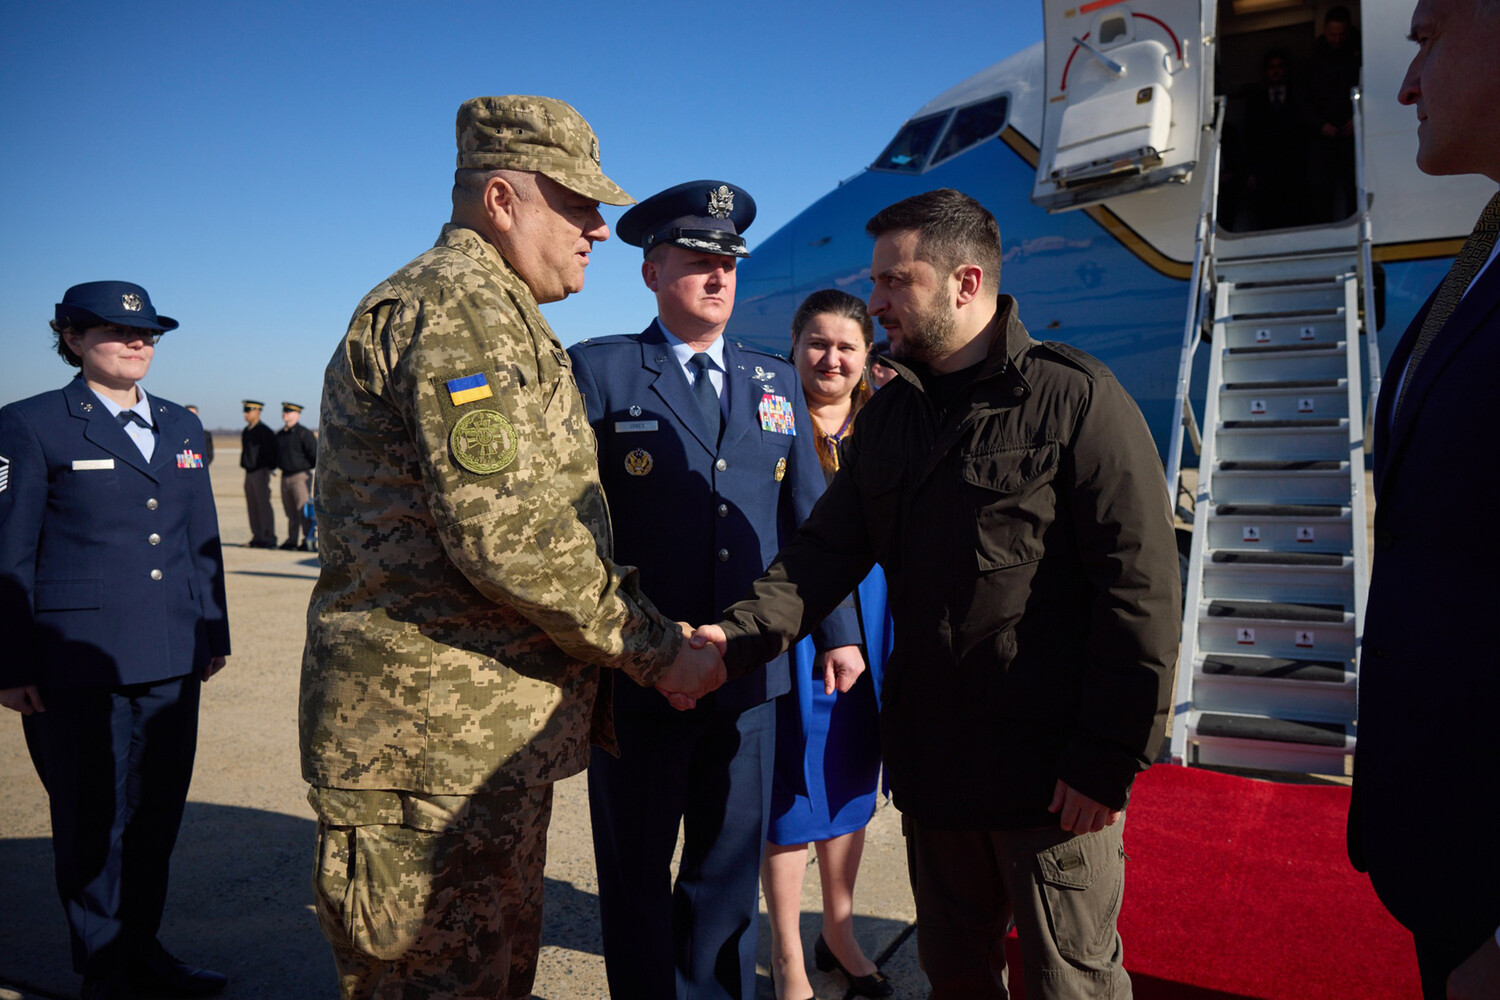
(711, 771)
(116, 763)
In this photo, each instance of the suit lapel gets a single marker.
(101, 428)
(671, 386)
(171, 437)
(1483, 298)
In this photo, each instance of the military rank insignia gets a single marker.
(483, 441)
(187, 459)
(4, 473)
(639, 462)
(776, 414)
(469, 388)
(780, 472)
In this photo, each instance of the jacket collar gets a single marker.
(102, 429)
(1006, 352)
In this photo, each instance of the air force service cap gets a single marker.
(101, 303)
(541, 134)
(699, 215)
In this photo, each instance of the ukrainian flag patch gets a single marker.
(469, 388)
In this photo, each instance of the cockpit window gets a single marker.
(971, 126)
(908, 151)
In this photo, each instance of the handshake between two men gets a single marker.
(698, 668)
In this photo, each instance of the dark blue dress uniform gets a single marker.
(701, 519)
(700, 501)
(112, 603)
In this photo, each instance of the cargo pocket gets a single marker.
(1012, 505)
(1083, 881)
(397, 888)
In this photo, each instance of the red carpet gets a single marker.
(1241, 888)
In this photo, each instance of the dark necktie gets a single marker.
(128, 417)
(1476, 250)
(703, 392)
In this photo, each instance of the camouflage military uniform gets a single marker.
(465, 606)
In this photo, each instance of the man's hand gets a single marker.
(214, 666)
(1478, 977)
(842, 666)
(1080, 814)
(697, 670)
(705, 635)
(25, 700)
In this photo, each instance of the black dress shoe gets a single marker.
(873, 985)
(290, 544)
(304, 547)
(158, 972)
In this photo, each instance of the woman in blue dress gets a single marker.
(827, 744)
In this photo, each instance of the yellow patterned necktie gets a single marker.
(1476, 250)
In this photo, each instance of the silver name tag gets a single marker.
(88, 464)
(630, 426)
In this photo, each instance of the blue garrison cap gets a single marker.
(100, 303)
(698, 215)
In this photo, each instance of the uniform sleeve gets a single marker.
(510, 478)
(309, 447)
(1122, 516)
(812, 574)
(803, 485)
(208, 559)
(23, 504)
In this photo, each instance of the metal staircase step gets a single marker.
(1278, 482)
(1276, 611)
(1308, 383)
(1251, 727)
(1268, 349)
(1276, 667)
(1281, 528)
(1289, 440)
(1275, 362)
(1273, 558)
(1294, 510)
(1274, 628)
(1228, 740)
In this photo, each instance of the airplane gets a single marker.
(1113, 154)
(1114, 276)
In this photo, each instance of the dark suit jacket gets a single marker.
(1425, 817)
(700, 519)
(110, 567)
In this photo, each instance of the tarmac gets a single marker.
(240, 898)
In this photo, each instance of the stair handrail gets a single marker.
(1366, 270)
(1200, 282)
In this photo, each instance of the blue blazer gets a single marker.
(701, 519)
(110, 566)
(1426, 784)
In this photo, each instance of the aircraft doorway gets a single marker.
(1285, 68)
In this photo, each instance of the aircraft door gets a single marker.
(1128, 91)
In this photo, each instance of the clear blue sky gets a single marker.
(260, 166)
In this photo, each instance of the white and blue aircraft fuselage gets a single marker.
(1113, 276)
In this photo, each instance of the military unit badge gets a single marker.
(639, 462)
(780, 472)
(483, 442)
(776, 414)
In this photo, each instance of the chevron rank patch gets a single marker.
(469, 388)
(4, 473)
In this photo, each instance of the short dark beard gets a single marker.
(930, 338)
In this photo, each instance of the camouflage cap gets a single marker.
(542, 134)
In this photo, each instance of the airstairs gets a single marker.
(1276, 579)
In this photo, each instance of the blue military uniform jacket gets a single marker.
(110, 566)
(702, 519)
